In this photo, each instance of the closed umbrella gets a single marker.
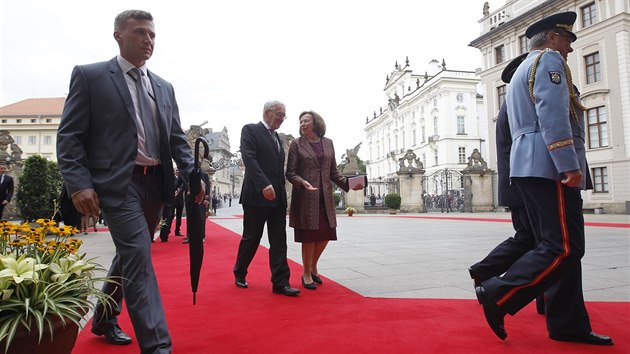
(196, 219)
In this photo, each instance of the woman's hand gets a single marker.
(308, 186)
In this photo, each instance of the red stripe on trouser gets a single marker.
(565, 246)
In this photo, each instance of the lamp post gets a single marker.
(446, 180)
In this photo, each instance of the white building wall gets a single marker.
(443, 97)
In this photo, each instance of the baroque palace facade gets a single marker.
(600, 64)
(436, 115)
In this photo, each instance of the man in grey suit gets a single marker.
(109, 162)
(264, 199)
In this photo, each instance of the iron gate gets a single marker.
(443, 191)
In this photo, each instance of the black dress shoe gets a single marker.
(317, 279)
(588, 338)
(113, 334)
(286, 290)
(309, 286)
(240, 283)
(178, 234)
(494, 315)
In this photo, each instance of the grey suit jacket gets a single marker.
(97, 137)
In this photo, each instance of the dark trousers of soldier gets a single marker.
(554, 264)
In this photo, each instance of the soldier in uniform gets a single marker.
(548, 167)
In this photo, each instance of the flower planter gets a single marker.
(63, 339)
(350, 213)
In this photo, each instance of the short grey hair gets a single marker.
(270, 105)
(539, 39)
(121, 19)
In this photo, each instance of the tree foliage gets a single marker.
(38, 188)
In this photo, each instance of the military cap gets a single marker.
(509, 69)
(562, 20)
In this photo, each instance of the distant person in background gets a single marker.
(6, 188)
(180, 193)
(215, 203)
(168, 214)
(312, 169)
(86, 220)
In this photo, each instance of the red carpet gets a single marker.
(332, 319)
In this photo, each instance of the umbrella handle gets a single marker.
(206, 151)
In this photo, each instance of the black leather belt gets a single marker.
(146, 170)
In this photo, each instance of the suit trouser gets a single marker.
(179, 211)
(555, 213)
(254, 220)
(167, 214)
(132, 225)
(501, 258)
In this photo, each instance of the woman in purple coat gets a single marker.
(312, 169)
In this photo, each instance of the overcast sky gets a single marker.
(227, 58)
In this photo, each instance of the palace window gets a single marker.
(593, 68)
(600, 180)
(461, 154)
(435, 126)
(522, 45)
(461, 125)
(499, 54)
(597, 127)
(501, 90)
(589, 14)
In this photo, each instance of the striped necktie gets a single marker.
(149, 134)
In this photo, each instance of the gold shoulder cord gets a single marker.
(574, 102)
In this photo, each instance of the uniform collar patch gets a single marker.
(554, 77)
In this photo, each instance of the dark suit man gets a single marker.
(6, 188)
(505, 254)
(548, 167)
(109, 160)
(180, 193)
(168, 213)
(264, 199)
